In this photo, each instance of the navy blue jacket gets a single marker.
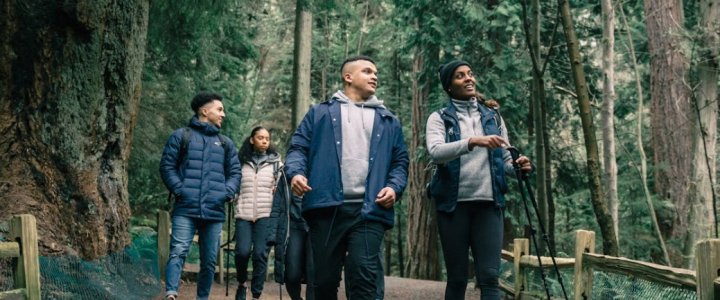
(207, 177)
(443, 187)
(316, 152)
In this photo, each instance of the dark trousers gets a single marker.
(298, 263)
(477, 225)
(252, 235)
(340, 237)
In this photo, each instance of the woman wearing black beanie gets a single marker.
(466, 141)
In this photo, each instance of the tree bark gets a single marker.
(705, 109)
(301, 62)
(671, 119)
(600, 208)
(607, 114)
(422, 236)
(640, 144)
(71, 79)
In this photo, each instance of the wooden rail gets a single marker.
(705, 281)
(24, 249)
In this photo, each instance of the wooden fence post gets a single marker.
(163, 241)
(707, 255)
(584, 242)
(23, 229)
(520, 247)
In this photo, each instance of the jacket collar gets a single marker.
(204, 127)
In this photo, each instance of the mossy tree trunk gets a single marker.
(69, 89)
(600, 207)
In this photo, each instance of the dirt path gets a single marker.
(395, 288)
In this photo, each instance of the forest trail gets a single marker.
(395, 288)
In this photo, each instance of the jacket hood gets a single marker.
(204, 127)
(373, 101)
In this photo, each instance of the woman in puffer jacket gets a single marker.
(260, 213)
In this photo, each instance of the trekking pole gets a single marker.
(518, 174)
(523, 179)
(227, 251)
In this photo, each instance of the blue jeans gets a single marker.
(252, 235)
(183, 230)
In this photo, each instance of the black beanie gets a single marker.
(203, 98)
(446, 72)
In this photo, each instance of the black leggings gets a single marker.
(477, 225)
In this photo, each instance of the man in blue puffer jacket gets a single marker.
(348, 158)
(201, 168)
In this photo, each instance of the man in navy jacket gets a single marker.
(349, 161)
(201, 168)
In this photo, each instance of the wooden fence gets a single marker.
(705, 281)
(24, 248)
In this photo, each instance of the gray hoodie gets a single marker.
(357, 126)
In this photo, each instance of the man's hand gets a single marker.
(487, 141)
(525, 164)
(299, 185)
(386, 198)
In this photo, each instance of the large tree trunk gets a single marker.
(671, 119)
(705, 126)
(607, 114)
(422, 236)
(70, 75)
(639, 134)
(591, 149)
(301, 62)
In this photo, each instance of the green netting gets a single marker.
(536, 285)
(619, 286)
(606, 286)
(6, 279)
(130, 274)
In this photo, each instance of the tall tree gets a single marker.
(422, 237)
(705, 109)
(639, 138)
(301, 66)
(602, 214)
(539, 117)
(607, 114)
(70, 76)
(671, 118)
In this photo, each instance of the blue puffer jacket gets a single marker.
(207, 177)
(316, 152)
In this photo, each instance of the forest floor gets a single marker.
(395, 288)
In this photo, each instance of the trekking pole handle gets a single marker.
(514, 153)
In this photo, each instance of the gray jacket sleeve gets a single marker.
(440, 151)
